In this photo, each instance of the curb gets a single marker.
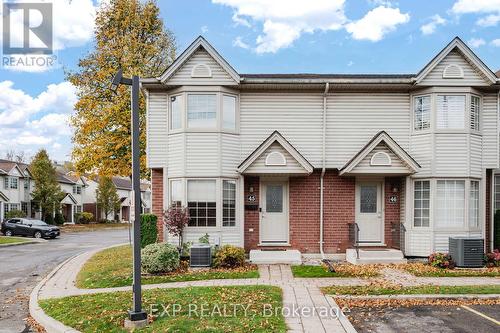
(420, 296)
(344, 321)
(31, 241)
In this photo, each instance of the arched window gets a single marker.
(380, 158)
(275, 158)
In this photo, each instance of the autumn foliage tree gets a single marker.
(131, 35)
(107, 198)
(176, 218)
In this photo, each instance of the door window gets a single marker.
(274, 199)
(368, 199)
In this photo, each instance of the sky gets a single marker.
(254, 36)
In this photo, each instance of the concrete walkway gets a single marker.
(305, 307)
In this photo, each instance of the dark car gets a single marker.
(28, 227)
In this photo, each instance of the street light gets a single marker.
(137, 317)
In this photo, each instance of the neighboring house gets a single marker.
(15, 188)
(298, 161)
(124, 189)
(74, 188)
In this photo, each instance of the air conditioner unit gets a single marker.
(200, 256)
(467, 251)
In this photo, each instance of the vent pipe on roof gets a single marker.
(323, 170)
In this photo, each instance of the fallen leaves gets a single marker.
(421, 269)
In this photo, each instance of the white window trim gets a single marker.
(480, 115)
(218, 115)
(183, 111)
(236, 128)
(466, 117)
(412, 109)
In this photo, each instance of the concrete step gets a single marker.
(265, 257)
(375, 256)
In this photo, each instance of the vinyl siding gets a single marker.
(230, 154)
(451, 155)
(202, 152)
(176, 153)
(441, 238)
(231, 236)
(475, 155)
(183, 74)
(471, 76)
(259, 165)
(397, 166)
(157, 127)
(489, 124)
(421, 151)
(418, 243)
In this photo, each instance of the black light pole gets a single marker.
(137, 317)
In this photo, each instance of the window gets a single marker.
(14, 182)
(9, 207)
(421, 203)
(368, 199)
(6, 183)
(422, 112)
(229, 203)
(474, 204)
(229, 112)
(176, 192)
(24, 207)
(202, 111)
(450, 112)
(175, 112)
(78, 209)
(201, 199)
(274, 198)
(26, 183)
(497, 193)
(77, 189)
(450, 203)
(475, 106)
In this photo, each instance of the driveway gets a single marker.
(23, 266)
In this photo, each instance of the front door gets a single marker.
(369, 212)
(274, 212)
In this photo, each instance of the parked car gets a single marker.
(29, 227)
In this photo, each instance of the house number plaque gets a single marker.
(393, 199)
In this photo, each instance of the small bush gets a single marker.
(49, 219)
(229, 256)
(205, 239)
(58, 218)
(14, 213)
(441, 260)
(492, 259)
(160, 258)
(149, 232)
(84, 217)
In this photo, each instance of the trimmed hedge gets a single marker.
(160, 258)
(149, 231)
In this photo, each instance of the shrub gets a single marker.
(176, 219)
(441, 260)
(49, 219)
(14, 213)
(492, 259)
(205, 239)
(149, 232)
(159, 258)
(84, 217)
(229, 256)
(58, 218)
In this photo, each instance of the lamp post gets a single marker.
(137, 317)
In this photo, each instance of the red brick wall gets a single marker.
(488, 209)
(392, 210)
(157, 199)
(251, 216)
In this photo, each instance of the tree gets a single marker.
(106, 196)
(47, 192)
(19, 157)
(131, 35)
(176, 218)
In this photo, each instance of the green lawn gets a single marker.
(113, 268)
(13, 240)
(421, 269)
(106, 312)
(341, 270)
(397, 290)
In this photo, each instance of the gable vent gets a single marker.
(381, 158)
(201, 70)
(275, 158)
(453, 72)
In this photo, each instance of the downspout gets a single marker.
(323, 170)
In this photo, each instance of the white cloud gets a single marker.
(495, 42)
(350, 63)
(204, 29)
(476, 42)
(488, 21)
(284, 21)
(238, 42)
(476, 6)
(430, 28)
(29, 123)
(376, 23)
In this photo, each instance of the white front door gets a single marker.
(274, 212)
(369, 212)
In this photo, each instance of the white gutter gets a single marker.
(323, 169)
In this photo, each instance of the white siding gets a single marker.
(397, 166)
(354, 118)
(451, 155)
(475, 155)
(471, 76)
(418, 243)
(230, 154)
(202, 157)
(183, 74)
(259, 165)
(441, 238)
(157, 127)
(489, 124)
(231, 237)
(176, 157)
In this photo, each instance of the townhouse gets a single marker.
(319, 163)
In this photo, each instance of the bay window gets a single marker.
(176, 112)
(450, 111)
(450, 203)
(422, 112)
(201, 200)
(475, 106)
(202, 110)
(229, 112)
(176, 192)
(474, 204)
(229, 203)
(421, 204)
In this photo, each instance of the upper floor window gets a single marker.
(229, 112)
(450, 111)
(475, 107)
(11, 183)
(202, 110)
(175, 112)
(26, 183)
(77, 189)
(422, 112)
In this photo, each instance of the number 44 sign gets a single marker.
(393, 199)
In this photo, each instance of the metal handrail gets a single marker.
(357, 242)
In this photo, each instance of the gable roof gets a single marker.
(469, 55)
(275, 137)
(7, 166)
(184, 57)
(70, 197)
(381, 136)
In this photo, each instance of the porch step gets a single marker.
(266, 257)
(375, 256)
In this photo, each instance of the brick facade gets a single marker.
(251, 223)
(157, 199)
(392, 211)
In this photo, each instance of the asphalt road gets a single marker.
(427, 319)
(23, 266)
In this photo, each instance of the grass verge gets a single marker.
(421, 269)
(113, 268)
(106, 312)
(419, 290)
(341, 270)
(4, 240)
(92, 227)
